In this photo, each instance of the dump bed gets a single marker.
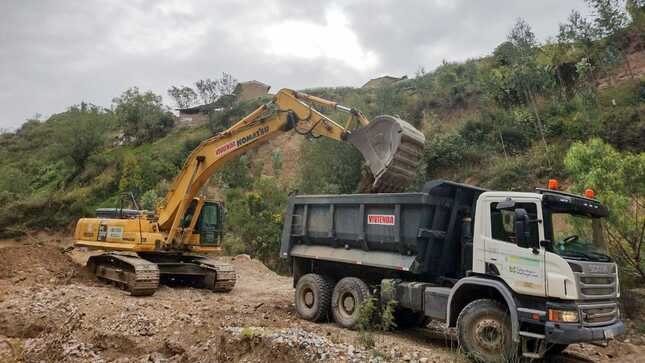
(421, 233)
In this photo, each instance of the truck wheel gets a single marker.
(407, 319)
(349, 294)
(313, 296)
(484, 332)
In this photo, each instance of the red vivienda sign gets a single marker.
(384, 219)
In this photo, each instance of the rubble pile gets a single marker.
(312, 346)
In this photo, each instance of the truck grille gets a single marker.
(599, 314)
(596, 280)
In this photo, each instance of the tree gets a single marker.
(81, 133)
(610, 20)
(210, 90)
(256, 216)
(636, 10)
(527, 74)
(142, 116)
(609, 16)
(619, 180)
(226, 84)
(184, 96)
(131, 179)
(578, 31)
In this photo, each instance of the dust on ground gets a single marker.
(52, 310)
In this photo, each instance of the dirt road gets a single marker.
(52, 310)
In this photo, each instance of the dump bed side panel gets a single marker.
(399, 231)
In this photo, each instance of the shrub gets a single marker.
(619, 180)
(142, 115)
(444, 150)
(255, 216)
(329, 167)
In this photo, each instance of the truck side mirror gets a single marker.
(522, 231)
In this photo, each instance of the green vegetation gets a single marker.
(375, 315)
(570, 108)
(621, 178)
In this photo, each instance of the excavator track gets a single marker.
(127, 271)
(194, 270)
(224, 277)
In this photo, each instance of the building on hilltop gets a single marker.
(383, 81)
(198, 115)
(249, 90)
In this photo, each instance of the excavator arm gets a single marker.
(390, 146)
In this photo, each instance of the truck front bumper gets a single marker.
(575, 333)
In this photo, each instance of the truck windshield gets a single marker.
(577, 236)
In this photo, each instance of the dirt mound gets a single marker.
(34, 262)
(244, 263)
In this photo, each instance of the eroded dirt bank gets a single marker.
(52, 310)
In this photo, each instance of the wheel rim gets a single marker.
(347, 304)
(489, 335)
(308, 297)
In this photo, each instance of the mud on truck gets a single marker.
(515, 274)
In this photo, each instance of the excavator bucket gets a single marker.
(392, 149)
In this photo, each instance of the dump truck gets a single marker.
(516, 274)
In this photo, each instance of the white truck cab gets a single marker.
(548, 248)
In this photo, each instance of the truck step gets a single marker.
(532, 355)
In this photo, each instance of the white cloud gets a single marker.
(334, 39)
(172, 27)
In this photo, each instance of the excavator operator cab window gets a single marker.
(185, 223)
(209, 224)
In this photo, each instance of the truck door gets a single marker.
(521, 268)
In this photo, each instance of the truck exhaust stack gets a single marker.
(392, 149)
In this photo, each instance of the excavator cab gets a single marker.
(210, 224)
(209, 228)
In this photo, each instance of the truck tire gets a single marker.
(484, 332)
(407, 319)
(349, 294)
(313, 297)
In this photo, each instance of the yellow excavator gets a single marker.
(144, 247)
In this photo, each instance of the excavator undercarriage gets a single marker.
(140, 274)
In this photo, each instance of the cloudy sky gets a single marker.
(54, 54)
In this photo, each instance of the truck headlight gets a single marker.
(563, 316)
